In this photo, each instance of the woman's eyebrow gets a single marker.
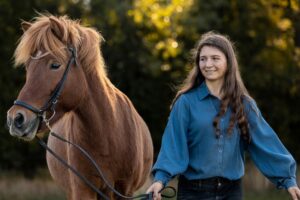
(214, 55)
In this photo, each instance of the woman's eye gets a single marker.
(54, 66)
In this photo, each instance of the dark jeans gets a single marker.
(209, 189)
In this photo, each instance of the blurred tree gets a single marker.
(147, 51)
(130, 62)
(265, 34)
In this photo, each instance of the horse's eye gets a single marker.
(55, 66)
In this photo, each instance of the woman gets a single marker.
(213, 120)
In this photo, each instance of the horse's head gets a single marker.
(55, 78)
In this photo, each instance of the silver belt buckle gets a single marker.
(219, 183)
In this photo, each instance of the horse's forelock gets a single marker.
(40, 37)
(36, 38)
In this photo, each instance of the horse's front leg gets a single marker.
(81, 192)
(79, 189)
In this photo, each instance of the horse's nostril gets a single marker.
(19, 120)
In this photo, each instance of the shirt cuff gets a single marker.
(291, 182)
(163, 177)
(286, 183)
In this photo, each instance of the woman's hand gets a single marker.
(294, 192)
(155, 188)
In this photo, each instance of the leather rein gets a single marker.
(50, 106)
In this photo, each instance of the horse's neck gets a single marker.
(98, 105)
(95, 116)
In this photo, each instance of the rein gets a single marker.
(148, 196)
(50, 106)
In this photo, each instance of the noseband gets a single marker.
(52, 101)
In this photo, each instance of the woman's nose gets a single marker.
(209, 63)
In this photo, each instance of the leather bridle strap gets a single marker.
(29, 107)
(50, 104)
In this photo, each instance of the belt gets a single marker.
(218, 181)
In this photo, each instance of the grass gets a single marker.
(13, 186)
(269, 194)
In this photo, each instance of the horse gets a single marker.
(89, 110)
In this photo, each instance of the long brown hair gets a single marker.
(233, 87)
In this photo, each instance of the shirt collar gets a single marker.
(203, 91)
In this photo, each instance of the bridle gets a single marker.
(52, 101)
(50, 106)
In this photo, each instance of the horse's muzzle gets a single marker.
(21, 127)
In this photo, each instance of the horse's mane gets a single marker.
(41, 36)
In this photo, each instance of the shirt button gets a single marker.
(220, 150)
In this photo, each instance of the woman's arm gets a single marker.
(267, 151)
(173, 157)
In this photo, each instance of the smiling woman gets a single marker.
(212, 123)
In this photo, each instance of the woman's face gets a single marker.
(212, 63)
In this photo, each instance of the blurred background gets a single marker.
(147, 51)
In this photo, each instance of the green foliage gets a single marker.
(147, 50)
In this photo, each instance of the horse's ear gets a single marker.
(25, 26)
(57, 28)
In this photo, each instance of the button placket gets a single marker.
(220, 154)
(221, 144)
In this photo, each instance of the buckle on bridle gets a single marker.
(47, 120)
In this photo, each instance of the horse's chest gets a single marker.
(57, 170)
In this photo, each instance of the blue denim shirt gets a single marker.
(190, 147)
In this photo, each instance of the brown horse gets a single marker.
(90, 111)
